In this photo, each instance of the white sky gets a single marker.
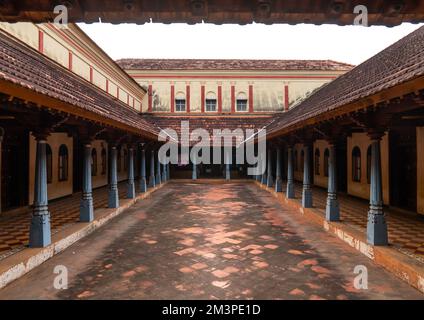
(351, 44)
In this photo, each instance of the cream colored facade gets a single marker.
(74, 50)
(268, 88)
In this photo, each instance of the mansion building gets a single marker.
(75, 123)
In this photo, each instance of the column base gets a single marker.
(278, 185)
(86, 210)
(130, 190)
(377, 229)
(307, 198)
(290, 190)
(270, 182)
(332, 210)
(40, 233)
(113, 199)
(143, 185)
(152, 182)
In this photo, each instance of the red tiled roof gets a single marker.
(23, 66)
(233, 64)
(401, 62)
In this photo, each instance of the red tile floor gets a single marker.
(14, 226)
(204, 241)
(406, 231)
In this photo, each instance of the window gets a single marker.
(125, 160)
(296, 162)
(63, 163)
(118, 160)
(104, 161)
(317, 162)
(326, 161)
(94, 162)
(241, 103)
(302, 160)
(180, 102)
(356, 164)
(369, 165)
(210, 102)
(49, 161)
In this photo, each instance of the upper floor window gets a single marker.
(241, 103)
(63, 163)
(326, 161)
(210, 102)
(317, 162)
(49, 161)
(356, 164)
(94, 162)
(180, 102)
(369, 165)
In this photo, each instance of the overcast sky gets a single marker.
(351, 44)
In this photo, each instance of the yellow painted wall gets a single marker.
(57, 188)
(362, 189)
(320, 180)
(420, 170)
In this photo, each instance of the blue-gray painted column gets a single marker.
(332, 211)
(270, 179)
(227, 165)
(278, 179)
(376, 226)
(164, 173)
(40, 234)
(130, 182)
(307, 191)
(194, 169)
(152, 182)
(113, 186)
(142, 181)
(158, 172)
(168, 172)
(264, 174)
(86, 203)
(290, 174)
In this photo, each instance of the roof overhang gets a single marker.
(341, 12)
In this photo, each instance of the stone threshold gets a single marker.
(404, 267)
(22, 262)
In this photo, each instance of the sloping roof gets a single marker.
(209, 123)
(23, 66)
(402, 61)
(233, 64)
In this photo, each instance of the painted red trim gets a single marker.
(219, 99)
(286, 97)
(233, 99)
(40, 41)
(203, 98)
(91, 74)
(150, 93)
(172, 98)
(141, 76)
(107, 85)
(70, 60)
(188, 98)
(251, 98)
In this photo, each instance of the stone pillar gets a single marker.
(113, 186)
(264, 174)
(168, 172)
(278, 179)
(158, 172)
(40, 234)
(86, 203)
(152, 182)
(164, 173)
(332, 212)
(270, 179)
(130, 182)
(307, 191)
(194, 169)
(142, 182)
(227, 165)
(376, 226)
(290, 174)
